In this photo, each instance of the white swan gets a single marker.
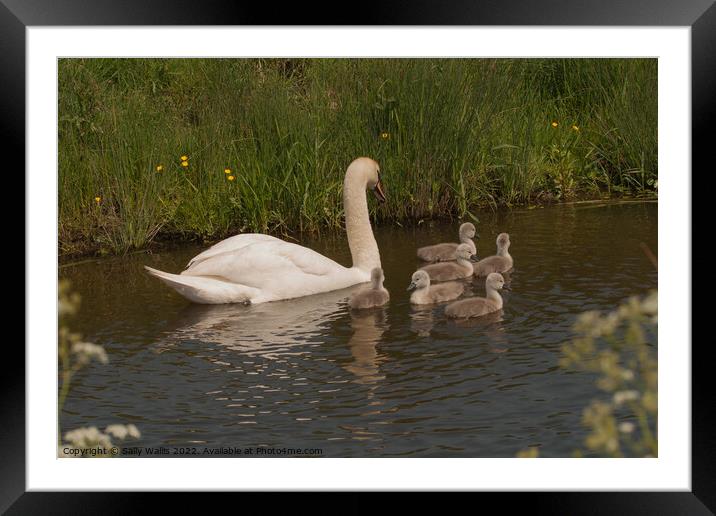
(255, 268)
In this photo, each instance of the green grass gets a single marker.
(451, 135)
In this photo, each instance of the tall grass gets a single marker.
(451, 135)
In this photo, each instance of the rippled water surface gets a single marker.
(396, 381)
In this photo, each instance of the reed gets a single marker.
(452, 136)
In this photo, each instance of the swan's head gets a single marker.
(467, 230)
(420, 279)
(496, 281)
(464, 252)
(377, 277)
(369, 171)
(503, 241)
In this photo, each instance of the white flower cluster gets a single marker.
(594, 324)
(87, 438)
(626, 427)
(621, 397)
(122, 431)
(86, 351)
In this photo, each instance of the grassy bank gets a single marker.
(267, 141)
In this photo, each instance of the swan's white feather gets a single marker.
(206, 290)
(231, 244)
(276, 270)
(262, 262)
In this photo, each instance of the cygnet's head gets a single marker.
(467, 230)
(463, 252)
(368, 169)
(503, 241)
(496, 281)
(420, 279)
(377, 277)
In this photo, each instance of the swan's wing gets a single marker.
(263, 263)
(233, 243)
(491, 264)
(435, 252)
(443, 271)
(471, 307)
(447, 291)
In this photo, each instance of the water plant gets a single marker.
(74, 354)
(615, 346)
(144, 144)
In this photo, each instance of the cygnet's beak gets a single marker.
(506, 287)
(411, 286)
(474, 258)
(378, 191)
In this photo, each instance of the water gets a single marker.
(396, 381)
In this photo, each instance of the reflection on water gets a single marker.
(268, 329)
(422, 319)
(399, 380)
(368, 328)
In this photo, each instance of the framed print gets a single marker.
(407, 254)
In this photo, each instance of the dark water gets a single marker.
(397, 381)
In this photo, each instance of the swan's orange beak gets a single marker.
(378, 191)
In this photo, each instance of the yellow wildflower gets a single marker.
(184, 158)
(554, 124)
(97, 199)
(385, 135)
(575, 128)
(160, 168)
(184, 163)
(227, 171)
(230, 178)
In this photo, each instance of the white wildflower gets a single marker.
(118, 431)
(627, 374)
(626, 427)
(588, 323)
(87, 437)
(123, 431)
(650, 304)
(620, 397)
(87, 351)
(133, 431)
(612, 445)
(609, 323)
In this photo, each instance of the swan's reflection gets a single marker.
(490, 325)
(268, 329)
(488, 322)
(422, 319)
(368, 329)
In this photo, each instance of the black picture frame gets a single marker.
(700, 15)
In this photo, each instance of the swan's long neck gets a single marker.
(504, 251)
(494, 296)
(364, 249)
